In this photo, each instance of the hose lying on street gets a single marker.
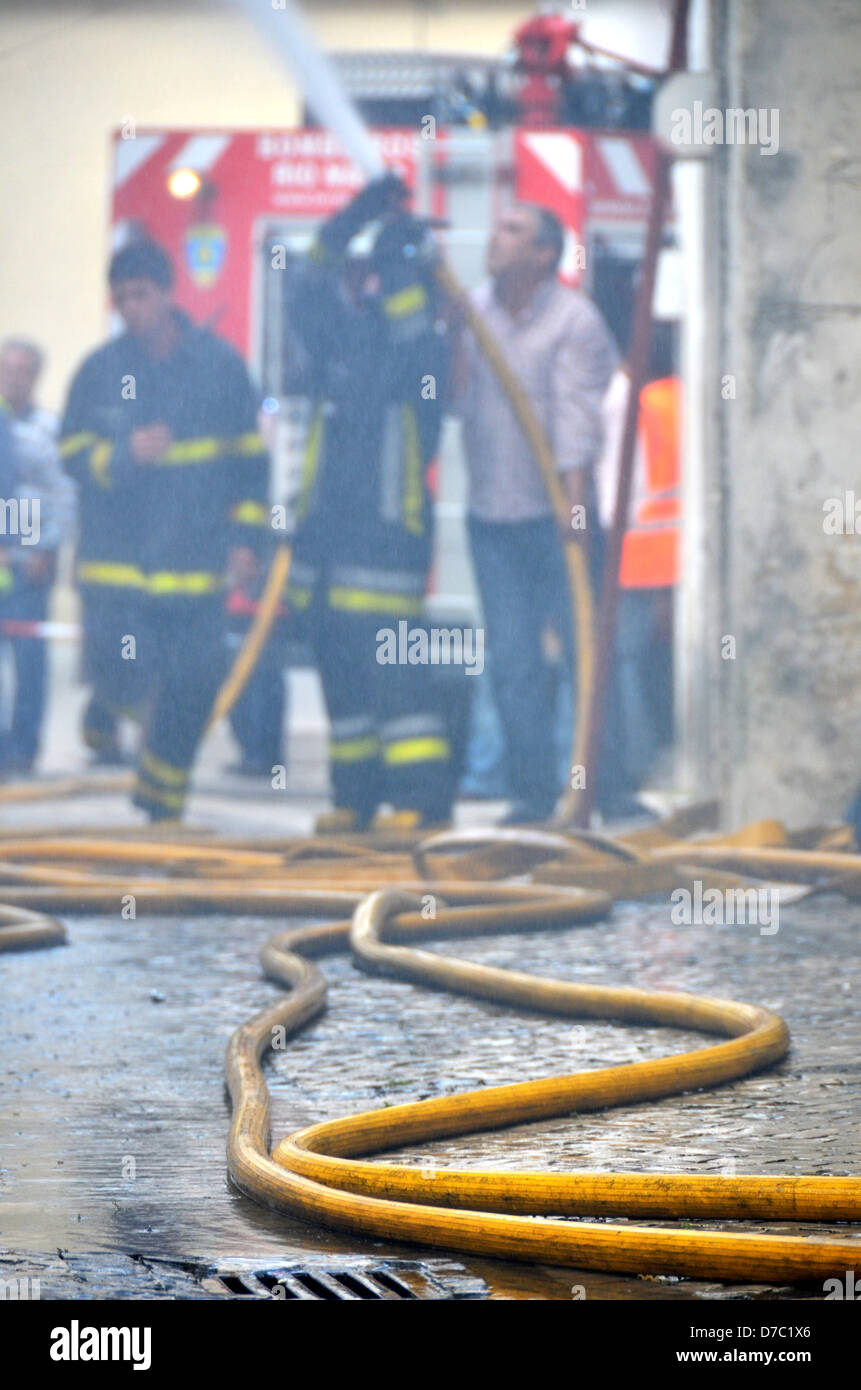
(385, 898)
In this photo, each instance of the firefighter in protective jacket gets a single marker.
(375, 368)
(160, 433)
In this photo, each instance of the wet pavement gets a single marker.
(114, 1116)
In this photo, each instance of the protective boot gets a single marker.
(404, 820)
(341, 820)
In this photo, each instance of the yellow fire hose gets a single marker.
(255, 639)
(323, 1173)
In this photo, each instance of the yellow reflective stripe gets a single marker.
(73, 442)
(369, 601)
(145, 789)
(248, 444)
(100, 457)
(206, 447)
(354, 750)
(96, 572)
(6, 579)
(250, 513)
(162, 582)
(166, 772)
(309, 465)
(413, 498)
(194, 450)
(172, 582)
(408, 301)
(416, 750)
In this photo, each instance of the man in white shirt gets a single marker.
(558, 344)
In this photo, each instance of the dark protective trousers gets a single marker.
(257, 718)
(162, 662)
(389, 740)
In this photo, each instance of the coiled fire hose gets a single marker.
(324, 1174)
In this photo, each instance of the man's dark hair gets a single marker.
(549, 231)
(141, 260)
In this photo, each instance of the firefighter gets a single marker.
(376, 369)
(160, 433)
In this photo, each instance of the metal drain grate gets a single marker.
(321, 1284)
(365, 1281)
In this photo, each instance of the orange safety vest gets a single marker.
(651, 548)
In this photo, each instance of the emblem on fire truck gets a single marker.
(205, 253)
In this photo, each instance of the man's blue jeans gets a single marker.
(521, 577)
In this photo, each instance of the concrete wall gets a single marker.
(787, 325)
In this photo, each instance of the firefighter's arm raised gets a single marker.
(379, 198)
(318, 307)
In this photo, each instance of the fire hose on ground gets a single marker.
(378, 897)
